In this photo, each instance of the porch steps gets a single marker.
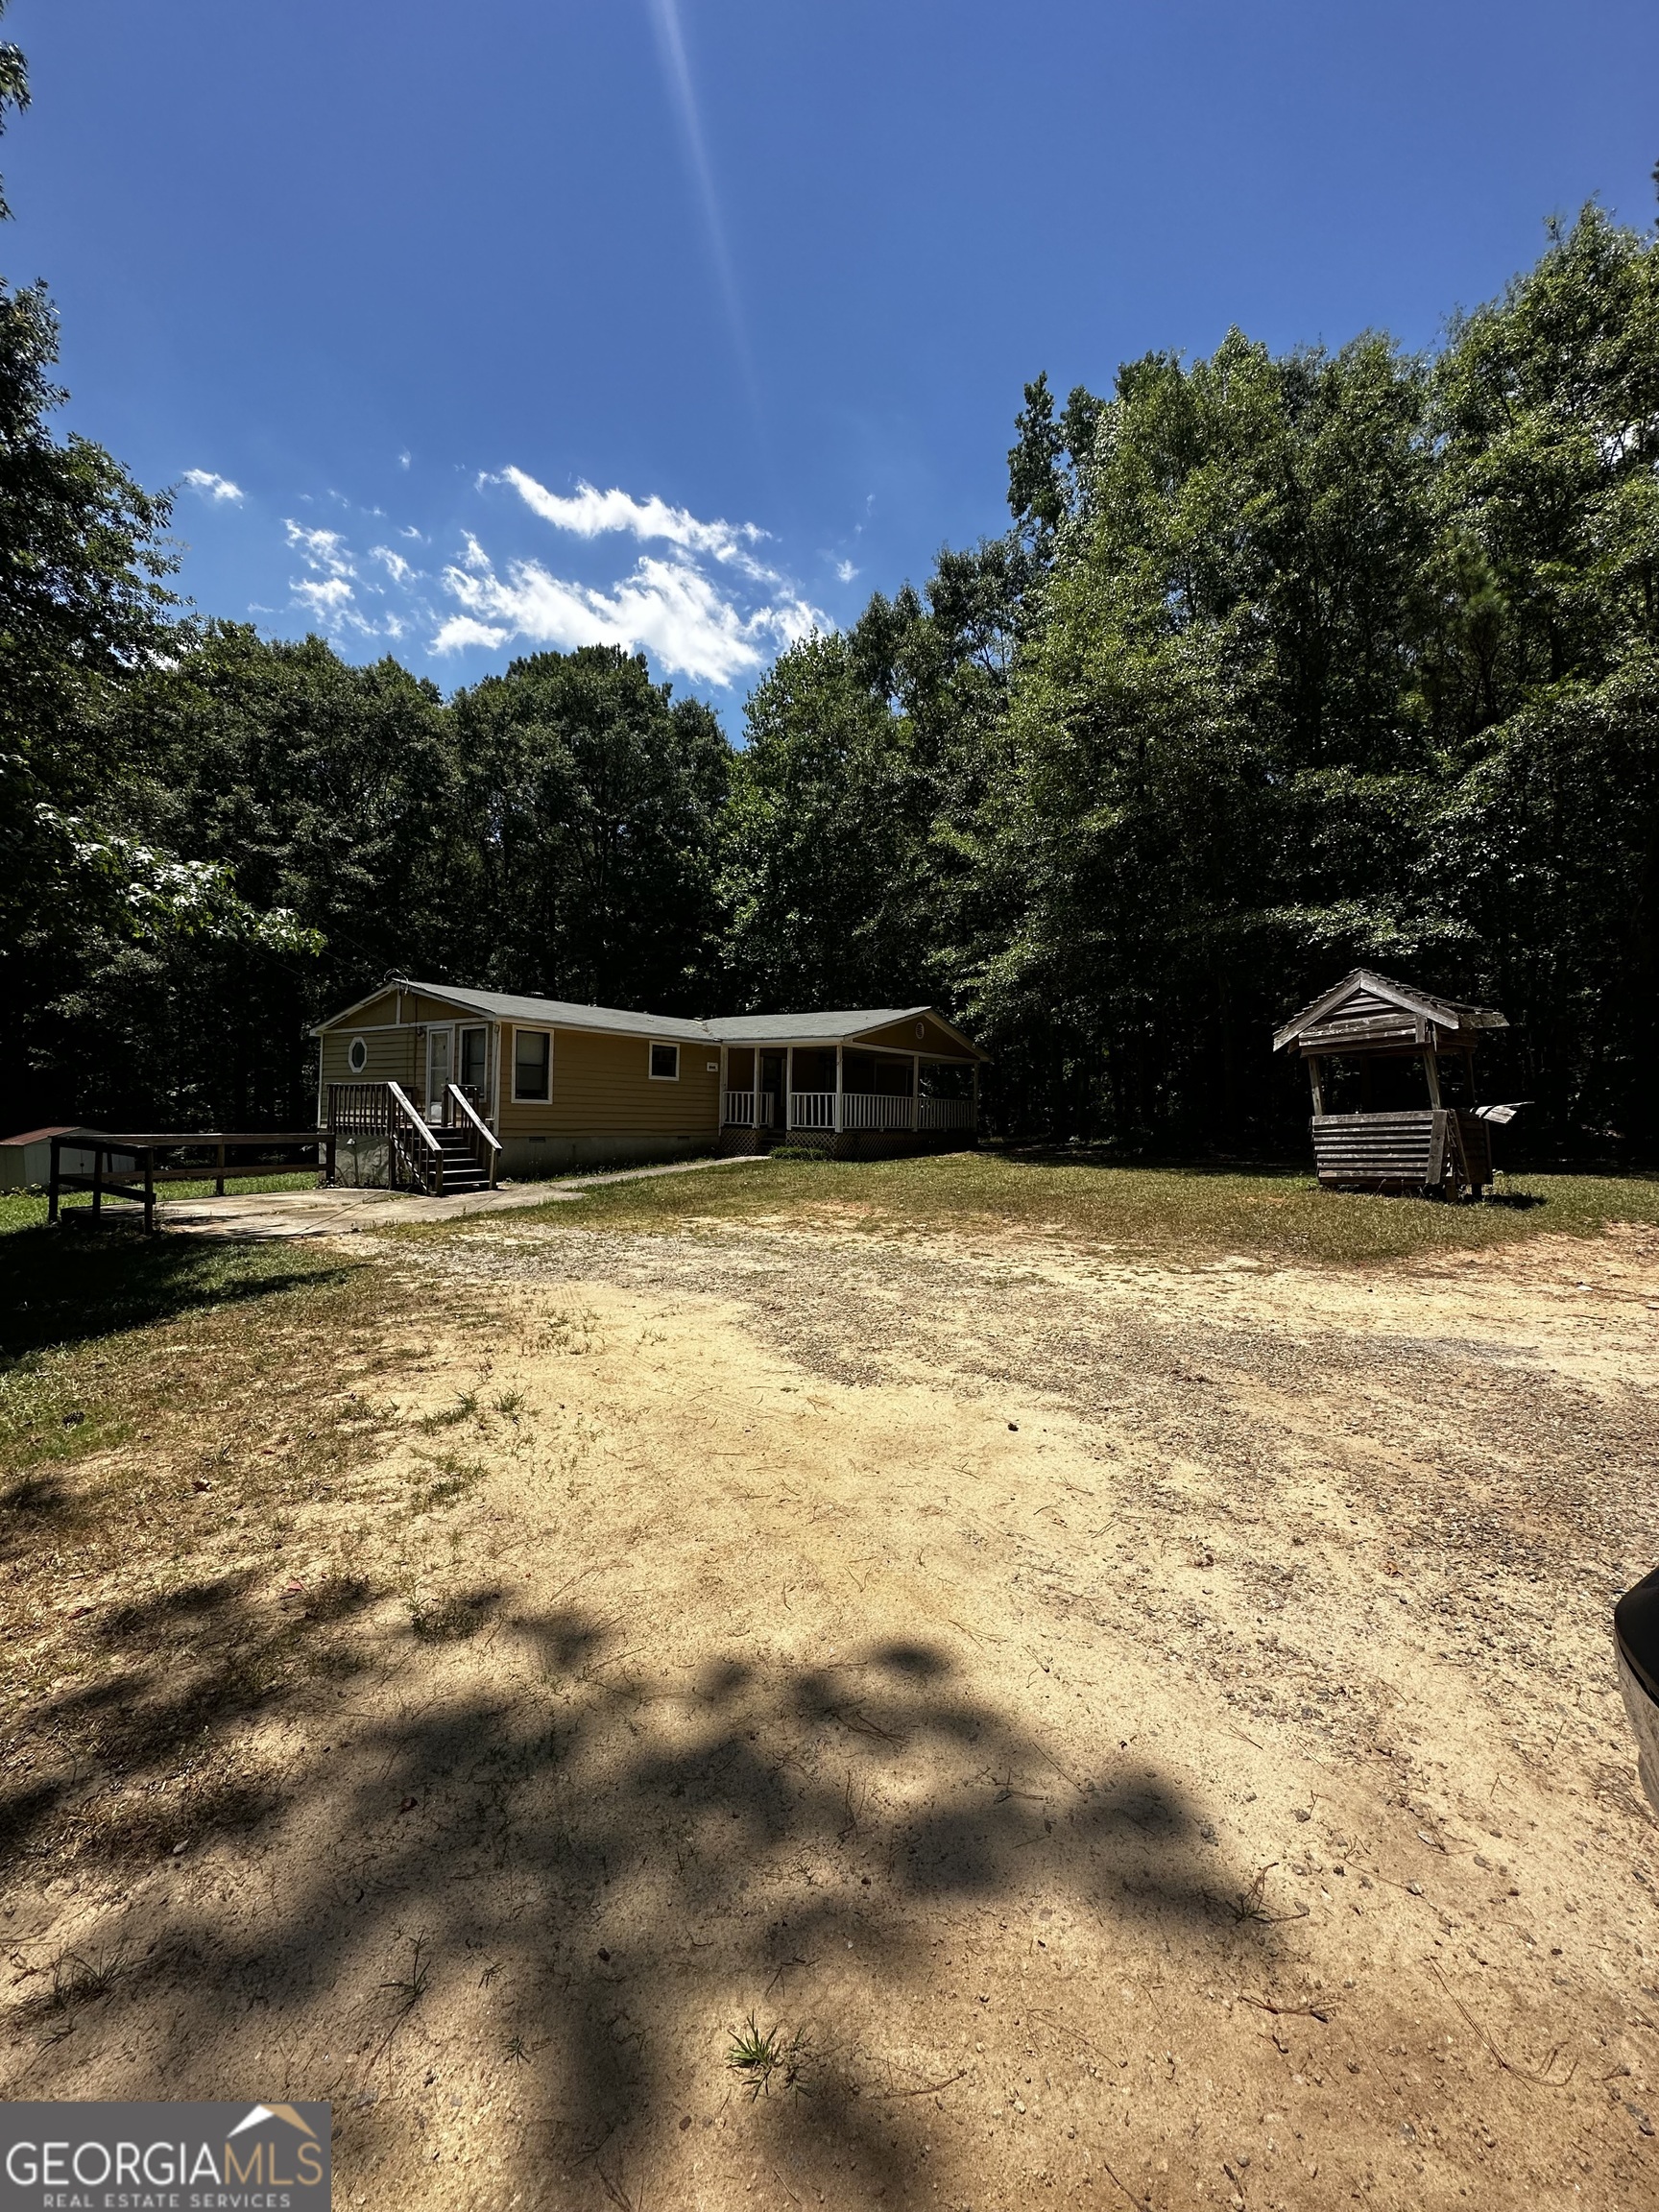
(462, 1172)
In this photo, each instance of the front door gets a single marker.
(475, 1067)
(774, 1110)
(437, 1073)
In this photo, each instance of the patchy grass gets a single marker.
(193, 1445)
(1101, 1203)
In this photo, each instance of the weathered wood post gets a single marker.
(219, 1183)
(150, 1187)
(53, 1185)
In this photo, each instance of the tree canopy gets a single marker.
(1285, 662)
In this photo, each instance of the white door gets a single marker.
(438, 1046)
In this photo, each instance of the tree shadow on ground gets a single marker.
(585, 1875)
(70, 1284)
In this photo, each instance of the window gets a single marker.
(532, 1063)
(665, 1062)
(358, 1055)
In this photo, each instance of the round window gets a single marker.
(920, 1028)
(357, 1057)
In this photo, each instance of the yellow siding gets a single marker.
(391, 1056)
(602, 1086)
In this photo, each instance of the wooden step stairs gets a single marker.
(461, 1171)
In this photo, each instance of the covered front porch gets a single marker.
(846, 1100)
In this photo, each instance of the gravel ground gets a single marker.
(1136, 1731)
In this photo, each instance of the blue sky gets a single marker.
(469, 330)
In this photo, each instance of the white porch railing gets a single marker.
(859, 1110)
(875, 1109)
(740, 1110)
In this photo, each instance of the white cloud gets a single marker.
(397, 568)
(845, 571)
(212, 487)
(327, 599)
(461, 630)
(403, 459)
(327, 594)
(701, 607)
(322, 550)
(591, 514)
(668, 609)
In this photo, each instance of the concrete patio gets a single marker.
(343, 1212)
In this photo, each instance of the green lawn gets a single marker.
(1096, 1202)
(1186, 1209)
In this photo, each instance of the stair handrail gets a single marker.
(477, 1127)
(405, 1122)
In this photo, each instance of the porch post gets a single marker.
(789, 1088)
(755, 1109)
(839, 1087)
(915, 1091)
(1316, 1080)
(975, 1072)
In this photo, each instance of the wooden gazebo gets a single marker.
(1443, 1145)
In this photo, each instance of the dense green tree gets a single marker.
(328, 791)
(585, 864)
(825, 841)
(1541, 670)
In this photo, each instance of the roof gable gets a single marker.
(537, 1012)
(1365, 1001)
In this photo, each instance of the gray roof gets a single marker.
(560, 1013)
(836, 1027)
(831, 1029)
(844, 1025)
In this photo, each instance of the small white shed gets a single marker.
(26, 1161)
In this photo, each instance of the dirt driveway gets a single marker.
(1139, 1733)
